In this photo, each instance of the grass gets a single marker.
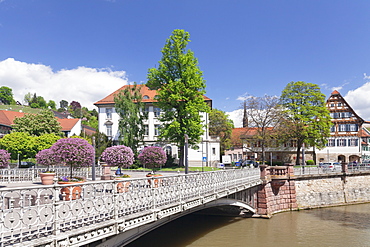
(20, 108)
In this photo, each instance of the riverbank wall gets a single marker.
(334, 190)
(283, 191)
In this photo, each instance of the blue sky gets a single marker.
(83, 50)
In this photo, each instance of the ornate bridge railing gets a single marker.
(50, 216)
(16, 175)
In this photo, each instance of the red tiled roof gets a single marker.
(67, 124)
(335, 92)
(243, 133)
(144, 90)
(7, 117)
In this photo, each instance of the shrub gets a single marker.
(4, 158)
(310, 162)
(120, 156)
(45, 157)
(152, 157)
(74, 152)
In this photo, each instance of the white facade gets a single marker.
(207, 153)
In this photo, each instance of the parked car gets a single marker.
(26, 164)
(249, 163)
(331, 166)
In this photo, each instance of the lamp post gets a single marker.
(186, 154)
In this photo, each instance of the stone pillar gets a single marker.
(107, 174)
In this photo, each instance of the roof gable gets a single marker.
(147, 94)
(7, 117)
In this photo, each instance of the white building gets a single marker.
(207, 154)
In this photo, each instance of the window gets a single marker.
(341, 142)
(145, 97)
(332, 128)
(339, 104)
(109, 130)
(235, 157)
(156, 130)
(331, 143)
(146, 130)
(157, 112)
(214, 151)
(146, 109)
(348, 127)
(353, 142)
(108, 112)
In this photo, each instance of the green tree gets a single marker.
(18, 143)
(28, 98)
(63, 104)
(220, 125)
(6, 96)
(129, 106)
(181, 87)
(307, 120)
(101, 143)
(52, 104)
(45, 141)
(37, 124)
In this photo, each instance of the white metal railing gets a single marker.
(41, 215)
(358, 168)
(16, 175)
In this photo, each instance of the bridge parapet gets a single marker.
(42, 215)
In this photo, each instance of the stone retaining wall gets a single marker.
(343, 189)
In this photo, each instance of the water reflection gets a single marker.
(336, 226)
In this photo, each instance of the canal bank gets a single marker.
(282, 190)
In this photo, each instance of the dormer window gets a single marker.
(145, 97)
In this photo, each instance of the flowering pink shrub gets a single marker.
(4, 158)
(120, 156)
(152, 157)
(73, 152)
(45, 157)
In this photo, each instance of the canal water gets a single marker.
(334, 226)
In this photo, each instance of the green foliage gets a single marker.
(307, 119)
(63, 104)
(220, 125)
(101, 143)
(6, 96)
(310, 162)
(180, 86)
(129, 105)
(18, 143)
(52, 104)
(44, 141)
(38, 124)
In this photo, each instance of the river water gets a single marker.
(334, 226)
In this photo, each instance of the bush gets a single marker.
(310, 162)
(4, 158)
(45, 157)
(152, 157)
(120, 156)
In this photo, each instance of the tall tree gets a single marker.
(37, 124)
(263, 114)
(19, 144)
(6, 96)
(307, 119)
(28, 98)
(129, 106)
(63, 104)
(180, 86)
(220, 125)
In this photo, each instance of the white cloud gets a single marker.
(359, 100)
(85, 85)
(237, 117)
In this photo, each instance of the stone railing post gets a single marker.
(265, 173)
(344, 167)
